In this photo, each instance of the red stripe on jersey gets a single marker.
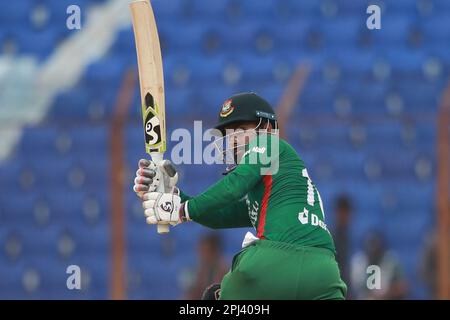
(265, 200)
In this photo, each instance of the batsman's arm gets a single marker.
(233, 216)
(221, 206)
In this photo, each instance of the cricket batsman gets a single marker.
(292, 255)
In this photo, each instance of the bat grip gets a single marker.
(157, 159)
(163, 228)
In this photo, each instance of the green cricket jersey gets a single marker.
(270, 190)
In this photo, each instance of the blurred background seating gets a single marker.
(364, 126)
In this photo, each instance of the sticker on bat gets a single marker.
(152, 129)
(152, 123)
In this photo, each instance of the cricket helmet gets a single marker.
(247, 106)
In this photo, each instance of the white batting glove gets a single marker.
(149, 177)
(162, 208)
(145, 178)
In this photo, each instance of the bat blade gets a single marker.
(151, 77)
(151, 80)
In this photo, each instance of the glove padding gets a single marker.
(162, 208)
(149, 176)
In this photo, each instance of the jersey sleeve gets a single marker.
(229, 190)
(234, 215)
(184, 197)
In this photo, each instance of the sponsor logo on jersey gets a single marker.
(253, 209)
(303, 216)
(260, 150)
(306, 217)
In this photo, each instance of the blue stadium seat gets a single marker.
(142, 237)
(123, 46)
(417, 224)
(307, 8)
(405, 61)
(351, 8)
(416, 198)
(187, 240)
(51, 172)
(93, 239)
(39, 138)
(293, 34)
(167, 10)
(14, 13)
(436, 29)
(67, 104)
(175, 39)
(420, 97)
(316, 99)
(106, 73)
(257, 70)
(11, 280)
(424, 133)
(259, 8)
(368, 98)
(384, 134)
(164, 286)
(355, 63)
(212, 10)
(18, 209)
(89, 138)
(177, 103)
(37, 241)
(207, 70)
(441, 6)
(341, 31)
(404, 7)
(10, 173)
(240, 37)
(47, 38)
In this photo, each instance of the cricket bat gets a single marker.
(151, 80)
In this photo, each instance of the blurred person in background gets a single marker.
(343, 211)
(211, 266)
(393, 284)
(428, 264)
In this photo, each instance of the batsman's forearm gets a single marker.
(214, 203)
(232, 216)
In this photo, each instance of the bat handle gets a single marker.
(163, 228)
(157, 159)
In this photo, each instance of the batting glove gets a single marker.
(149, 177)
(163, 208)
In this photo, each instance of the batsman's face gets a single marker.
(241, 134)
